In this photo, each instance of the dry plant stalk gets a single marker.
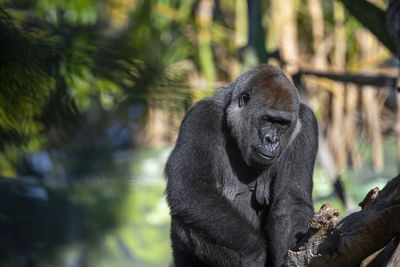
(350, 124)
(160, 128)
(371, 110)
(319, 44)
(370, 101)
(336, 129)
(284, 17)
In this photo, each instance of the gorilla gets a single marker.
(239, 180)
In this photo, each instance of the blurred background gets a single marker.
(93, 92)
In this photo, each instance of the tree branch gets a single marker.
(334, 241)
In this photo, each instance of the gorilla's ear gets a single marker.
(243, 99)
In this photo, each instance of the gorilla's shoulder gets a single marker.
(308, 136)
(204, 119)
(307, 118)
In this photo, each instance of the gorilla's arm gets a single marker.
(192, 172)
(292, 207)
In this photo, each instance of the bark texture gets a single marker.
(334, 241)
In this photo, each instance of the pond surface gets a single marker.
(114, 217)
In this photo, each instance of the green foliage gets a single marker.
(150, 228)
(63, 63)
(83, 12)
(24, 76)
(59, 58)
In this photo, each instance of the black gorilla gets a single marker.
(240, 176)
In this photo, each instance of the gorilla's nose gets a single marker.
(270, 139)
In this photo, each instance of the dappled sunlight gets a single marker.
(94, 92)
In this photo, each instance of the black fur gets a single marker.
(240, 176)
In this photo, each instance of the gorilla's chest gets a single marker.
(250, 199)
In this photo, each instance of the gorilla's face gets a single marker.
(263, 114)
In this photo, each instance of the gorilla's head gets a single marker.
(263, 114)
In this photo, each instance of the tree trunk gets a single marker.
(256, 30)
(334, 241)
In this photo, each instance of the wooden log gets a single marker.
(334, 241)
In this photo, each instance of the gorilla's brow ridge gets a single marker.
(276, 90)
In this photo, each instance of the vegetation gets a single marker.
(94, 90)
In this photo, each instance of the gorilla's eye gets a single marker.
(243, 99)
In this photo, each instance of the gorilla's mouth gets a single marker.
(264, 156)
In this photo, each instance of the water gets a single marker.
(112, 213)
